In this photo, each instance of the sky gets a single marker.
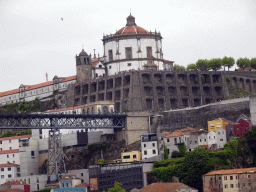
(34, 40)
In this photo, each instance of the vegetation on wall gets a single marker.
(10, 133)
(116, 188)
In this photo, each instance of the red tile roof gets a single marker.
(232, 171)
(15, 182)
(62, 109)
(131, 30)
(82, 185)
(163, 187)
(203, 146)
(167, 61)
(30, 87)
(9, 151)
(175, 134)
(15, 137)
(9, 165)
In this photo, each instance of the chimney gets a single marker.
(94, 55)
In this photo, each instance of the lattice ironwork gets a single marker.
(67, 121)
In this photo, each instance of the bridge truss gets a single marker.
(55, 122)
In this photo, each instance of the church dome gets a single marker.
(83, 53)
(131, 28)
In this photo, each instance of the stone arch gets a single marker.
(172, 91)
(248, 85)
(184, 91)
(182, 78)
(170, 78)
(218, 90)
(194, 78)
(216, 78)
(146, 78)
(207, 90)
(195, 91)
(241, 82)
(160, 90)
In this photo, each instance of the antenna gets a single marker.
(130, 11)
(46, 75)
(94, 55)
(83, 46)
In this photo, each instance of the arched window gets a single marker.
(88, 111)
(93, 112)
(105, 109)
(83, 111)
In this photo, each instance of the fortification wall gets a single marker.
(159, 90)
(230, 109)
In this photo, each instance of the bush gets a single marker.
(228, 79)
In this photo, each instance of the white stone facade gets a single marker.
(8, 171)
(149, 149)
(218, 138)
(40, 91)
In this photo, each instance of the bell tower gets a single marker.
(83, 66)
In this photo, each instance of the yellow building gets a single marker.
(98, 107)
(131, 156)
(230, 180)
(214, 125)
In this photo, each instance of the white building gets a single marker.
(8, 171)
(149, 147)
(133, 48)
(42, 91)
(217, 139)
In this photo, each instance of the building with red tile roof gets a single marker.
(230, 180)
(42, 91)
(168, 187)
(15, 185)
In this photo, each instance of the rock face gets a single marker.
(159, 90)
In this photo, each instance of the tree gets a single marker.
(196, 164)
(178, 67)
(243, 62)
(251, 140)
(215, 64)
(228, 61)
(191, 66)
(202, 64)
(116, 188)
(253, 63)
(166, 155)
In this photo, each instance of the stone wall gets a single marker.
(159, 90)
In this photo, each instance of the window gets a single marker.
(218, 125)
(10, 175)
(12, 155)
(205, 140)
(9, 168)
(211, 125)
(128, 52)
(10, 148)
(242, 176)
(13, 161)
(168, 151)
(226, 185)
(190, 142)
(129, 64)
(7, 156)
(154, 151)
(32, 153)
(144, 145)
(100, 66)
(126, 157)
(168, 140)
(231, 186)
(149, 52)
(237, 177)
(220, 178)
(0, 142)
(195, 141)
(153, 144)
(145, 152)
(200, 140)
(2, 176)
(10, 141)
(82, 174)
(219, 133)
(246, 128)
(28, 180)
(96, 74)
(249, 176)
(214, 137)
(221, 139)
(134, 156)
(225, 177)
(109, 66)
(2, 169)
(110, 55)
(211, 179)
(237, 129)
(231, 177)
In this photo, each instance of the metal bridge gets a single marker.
(55, 122)
(62, 121)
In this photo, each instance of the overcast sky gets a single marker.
(35, 40)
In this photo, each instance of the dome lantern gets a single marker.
(130, 20)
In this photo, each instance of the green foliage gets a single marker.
(228, 61)
(200, 127)
(10, 133)
(253, 63)
(182, 149)
(48, 189)
(101, 161)
(243, 62)
(176, 154)
(191, 66)
(166, 155)
(117, 188)
(177, 67)
(202, 64)
(94, 148)
(251, 140)
(202, 79)
(196, 164)
(215, 64)
(228, 79)
(166, 163)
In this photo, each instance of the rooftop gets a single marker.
(15, 137)
(9, 151)
(163, 187)
(9, 165)
(232, 171)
